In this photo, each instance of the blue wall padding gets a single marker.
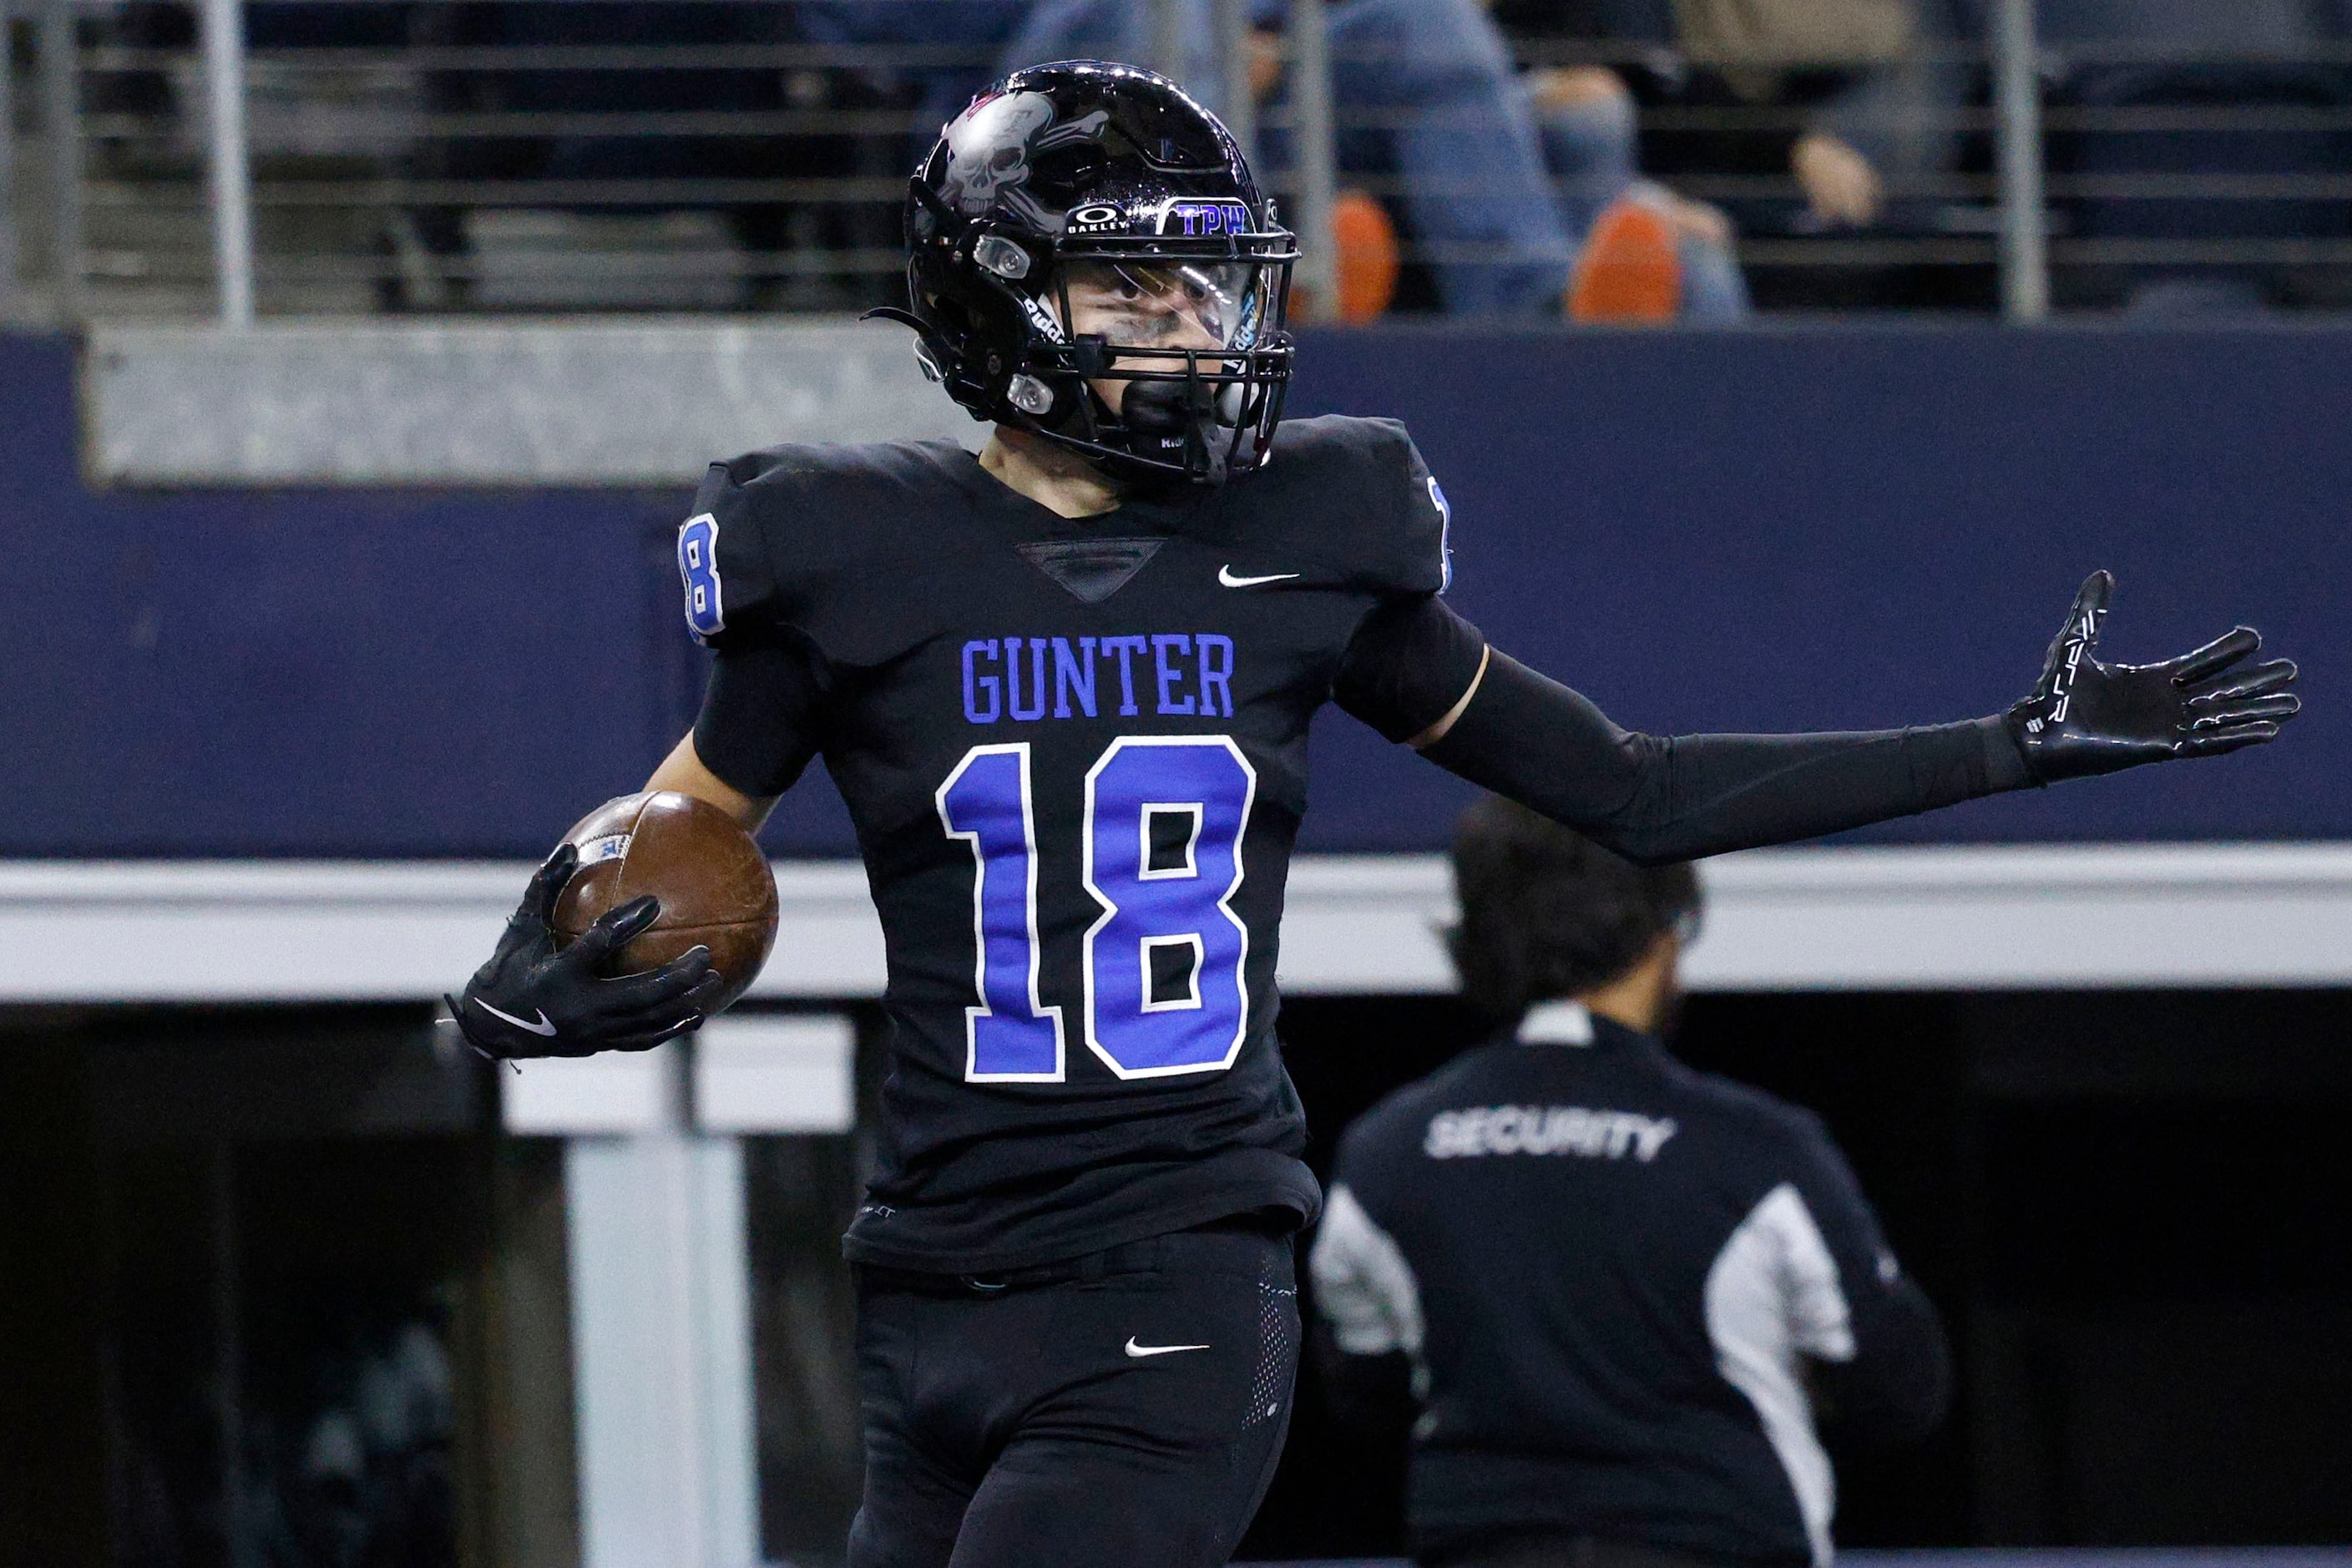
(1776, 530)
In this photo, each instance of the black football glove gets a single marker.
(2084, 717)
(530, 1000)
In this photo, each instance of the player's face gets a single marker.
(1184, 305)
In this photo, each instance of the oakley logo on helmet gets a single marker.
(1096, 218)
(1198, 219)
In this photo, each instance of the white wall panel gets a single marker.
(772, 1073)
(612, 1093)
(661, 1337)
(1994, 917)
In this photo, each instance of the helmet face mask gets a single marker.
(1139, 305)
(1090, 260)
(1165, 365)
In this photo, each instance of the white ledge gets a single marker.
(1865, 919)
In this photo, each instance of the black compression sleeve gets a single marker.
(758, 727)
(1657, 799)
(1407, 665)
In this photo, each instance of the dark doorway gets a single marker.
(2132, 1209)
(276, 1313)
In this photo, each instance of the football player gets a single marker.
(1064, 686)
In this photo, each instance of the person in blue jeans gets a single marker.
(1426, 93)
(1585, 116)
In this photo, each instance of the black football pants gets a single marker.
(1126, 1408)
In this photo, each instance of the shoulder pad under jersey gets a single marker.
(827, 541)
(1361, 501)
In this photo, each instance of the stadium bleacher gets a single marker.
(725, 156)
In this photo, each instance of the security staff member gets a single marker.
(1617, 1282)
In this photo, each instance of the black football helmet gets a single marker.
(1116, 176)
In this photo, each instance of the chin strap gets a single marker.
(1178, 426)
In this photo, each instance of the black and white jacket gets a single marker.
(1615, 1279)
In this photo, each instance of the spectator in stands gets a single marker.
(1614, 1285)
(1874, 82)
(1427, 94)
(1585, 119)
(2247, 71)
(569, 171)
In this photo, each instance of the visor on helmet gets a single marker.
(1172, 304)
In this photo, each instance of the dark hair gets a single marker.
(1546, 912)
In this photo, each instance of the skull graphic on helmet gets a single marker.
(990, 146)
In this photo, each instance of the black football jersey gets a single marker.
(1075, 754)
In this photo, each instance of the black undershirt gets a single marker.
(758, 727)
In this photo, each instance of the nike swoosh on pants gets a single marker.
(1139, 1351)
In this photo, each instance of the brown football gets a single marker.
(714, 885)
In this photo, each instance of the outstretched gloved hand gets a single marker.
(2084, 717)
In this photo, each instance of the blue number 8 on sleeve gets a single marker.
(697, 565)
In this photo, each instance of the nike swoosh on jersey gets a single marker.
(1225, 575)
(541, 1027)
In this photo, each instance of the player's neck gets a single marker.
(1053, 477)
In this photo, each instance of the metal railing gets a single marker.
(211, 158)
(180, 167)
(2017, 105)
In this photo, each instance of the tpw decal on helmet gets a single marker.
(1188, 216)
(1195, 218)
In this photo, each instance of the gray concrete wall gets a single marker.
(575, 402)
